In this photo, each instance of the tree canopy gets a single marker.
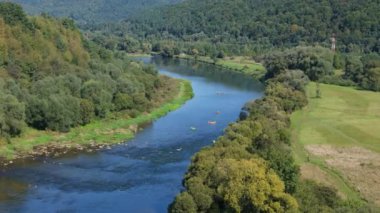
(266, 24)
(53, 78)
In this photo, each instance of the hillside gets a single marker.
(91, 11)
(54, 79)
(267, 24)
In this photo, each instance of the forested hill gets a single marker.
(91, 11)
(268, 22)
(51, 78)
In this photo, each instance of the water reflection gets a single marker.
(11, 189)
(207, 71)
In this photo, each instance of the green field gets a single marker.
(344, 119)
(343, 116)
(113, 129)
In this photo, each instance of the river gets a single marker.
(144, 174)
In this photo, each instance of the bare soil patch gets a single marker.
(360, 166)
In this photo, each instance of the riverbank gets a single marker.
(100, 134)
(336, 140)
(139, 55)
(240, 64)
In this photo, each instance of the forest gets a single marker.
(53, 78)
(254, 26)
(87, 12)
(234, 27)
(219, 29)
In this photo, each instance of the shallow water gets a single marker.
(144, 174)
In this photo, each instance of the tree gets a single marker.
(123, 101)
(12, 13)
(35, 112)
(183, 203)
(220, 55)
(129, 44)
(250, 186)
(354, 69)
(338, 61)
(374, 79)
(12, 115)
(101, 98)
(87, 111)
(63, 112)
(140, 102)
(200, 192)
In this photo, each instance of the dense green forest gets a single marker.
(241, 27)
(257, 25)
(222, 27)
(52, 78)
(219, 29)
(91, 11)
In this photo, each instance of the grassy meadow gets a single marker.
(339, 135)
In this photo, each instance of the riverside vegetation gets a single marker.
(252, 167)
(54, 81)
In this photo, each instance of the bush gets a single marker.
(101, 98)
(122, 101)
(183, 203)
(12, 115)
(337, 80)
(315, 198)
(365, 72)
(87, 111)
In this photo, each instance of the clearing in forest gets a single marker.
(338, 137)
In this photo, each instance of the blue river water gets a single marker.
(145, 173)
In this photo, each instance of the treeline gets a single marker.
(52, 78)
(364, 71)
(322, 65)
(251, 167)
(248, 27)
(265, 24)
(211, 27)
(319, 63)
(91, 11)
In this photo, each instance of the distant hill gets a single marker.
(268, 22)
(90, 11)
